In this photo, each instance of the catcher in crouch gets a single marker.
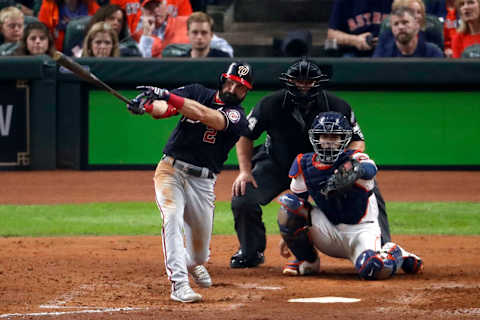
(344, 221)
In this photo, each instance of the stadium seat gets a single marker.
(74, 34)
(175, 49)
(472, 51)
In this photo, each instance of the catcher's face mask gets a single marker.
(330, 135)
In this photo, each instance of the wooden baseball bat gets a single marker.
(86, 75)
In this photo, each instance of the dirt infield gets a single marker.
(124, 277)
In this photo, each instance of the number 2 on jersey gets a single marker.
(210, 135)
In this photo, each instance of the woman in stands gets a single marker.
(116, 17)
(36, 40)
(11, 28)
(56, 14)
(101, 42)
(468, 34)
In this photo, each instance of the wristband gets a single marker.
(148, 107)
(171, 111)
(176, 101)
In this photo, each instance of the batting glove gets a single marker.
(137, 104)
(154, 93)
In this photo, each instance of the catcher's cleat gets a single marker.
(239, 260)
(291, 268)
(409, 262)
(412, 264)
(183, 293)
(201, 276)
(303, 268)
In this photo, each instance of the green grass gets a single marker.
(135, 218)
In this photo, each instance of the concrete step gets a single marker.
(257, 33)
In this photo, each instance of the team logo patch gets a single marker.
(233, 116)
(243, 71)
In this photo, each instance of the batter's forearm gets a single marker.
(196, 111)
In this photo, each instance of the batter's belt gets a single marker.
(200, 172)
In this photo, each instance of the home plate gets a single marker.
(325, 300)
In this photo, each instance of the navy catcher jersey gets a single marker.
(196, 143)
(348, 207)
(287, 125)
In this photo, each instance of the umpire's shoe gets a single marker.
(239, 260)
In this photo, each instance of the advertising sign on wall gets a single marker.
(14, 125)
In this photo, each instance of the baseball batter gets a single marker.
(212, 122)
(344, 222)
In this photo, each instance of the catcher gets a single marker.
(344, 222)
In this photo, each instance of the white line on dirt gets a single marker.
(326, 300)
(41, 314)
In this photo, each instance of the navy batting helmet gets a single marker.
(304, 70)
(240, 72)
(329, 135)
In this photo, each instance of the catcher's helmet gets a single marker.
(329, 135)
(304, 70)
(240, 72)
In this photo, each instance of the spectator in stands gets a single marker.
(36, 40)
(101, 41)
(200, 34)
(450, 27)
(156, 29)
(116, 17)
(433, 34)
(179, 8)
(11, 29)
(406, 42)
(26, 6)
(355, 24)
(56, 14)
(132, 8)
(468, 34)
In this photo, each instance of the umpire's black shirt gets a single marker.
(287, 124)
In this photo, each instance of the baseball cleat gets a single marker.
(183, 293)
(411, 263)
(303, 268)
(239, 260)
(201, 276)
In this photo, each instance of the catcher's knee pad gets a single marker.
(293, 221)
(374, 266)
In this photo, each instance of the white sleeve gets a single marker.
(145, 46)
(221, 44)
(298, 185)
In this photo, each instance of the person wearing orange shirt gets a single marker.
(450, 27)
(56, 14)
(157, 29)
(132, 8)
(469, 31)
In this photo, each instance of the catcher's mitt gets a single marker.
(343, 178)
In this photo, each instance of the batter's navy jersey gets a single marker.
(348, 207)
(196, 143)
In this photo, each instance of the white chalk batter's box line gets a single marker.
(59, 303)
